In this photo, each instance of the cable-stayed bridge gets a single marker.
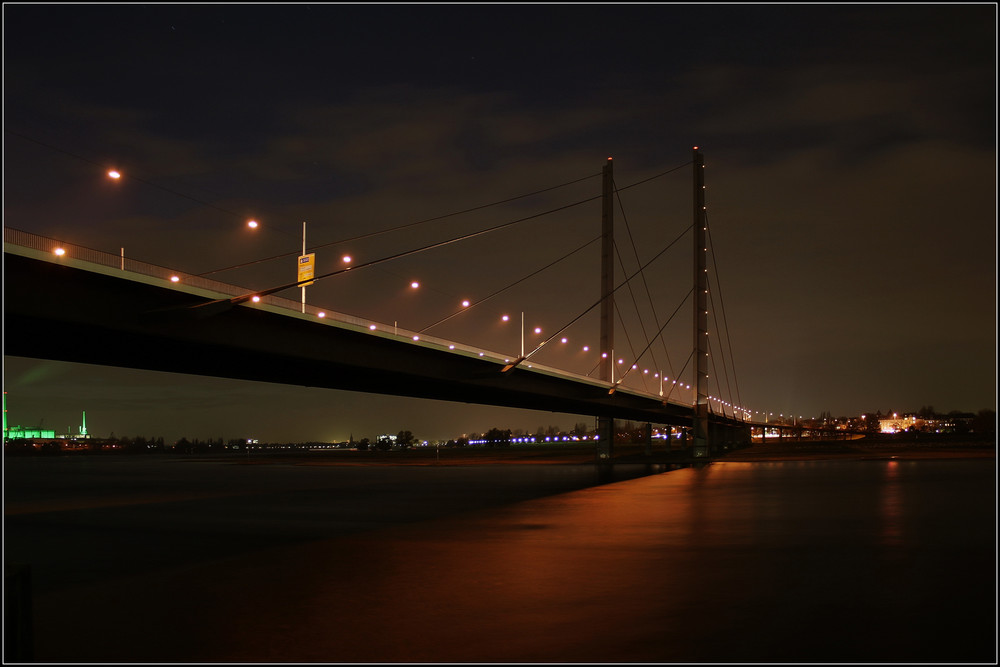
(68, 302)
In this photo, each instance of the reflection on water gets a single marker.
(728, 562)
(891, 506)
(822, 561)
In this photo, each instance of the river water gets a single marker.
(798, 561)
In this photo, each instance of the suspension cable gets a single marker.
(722, 307)
(406, 253)
(658, 334)
(399, 227)
(447, 215)
(504, 289)
(517, 361)
(680, 372)
(646, 180)
(628, 340)
(645, 284)
(715, 376)
(635, 305)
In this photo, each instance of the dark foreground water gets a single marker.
(141, 560)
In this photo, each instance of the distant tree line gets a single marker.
(982, 422)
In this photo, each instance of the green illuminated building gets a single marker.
(21, 433)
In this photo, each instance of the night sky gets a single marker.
(851, 173)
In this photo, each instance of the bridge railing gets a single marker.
(121, 262)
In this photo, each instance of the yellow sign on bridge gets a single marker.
(307, 268)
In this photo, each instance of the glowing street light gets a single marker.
(114, 174)
(414, 284)
(59, 252)
(252, 224)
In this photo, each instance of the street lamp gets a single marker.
(306, 266)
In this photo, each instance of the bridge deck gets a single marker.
(72, 310)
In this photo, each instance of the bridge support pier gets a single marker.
(648, 438)
(606, 439)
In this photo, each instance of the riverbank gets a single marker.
(877, 447)
(925, 446)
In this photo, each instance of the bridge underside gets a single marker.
(60, 312)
